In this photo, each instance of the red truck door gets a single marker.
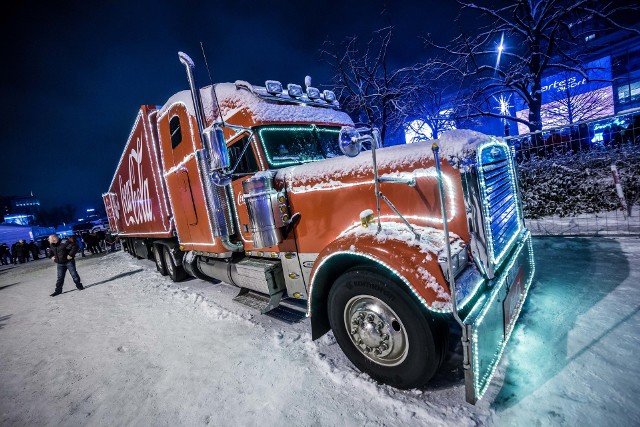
(180, 143)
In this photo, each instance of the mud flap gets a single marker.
(490, 322)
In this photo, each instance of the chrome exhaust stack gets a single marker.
(213, 159)
(195, 92)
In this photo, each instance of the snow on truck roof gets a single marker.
(233, 97)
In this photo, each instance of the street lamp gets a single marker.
(500, 49)
(503, 107)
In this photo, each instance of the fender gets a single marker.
(396, 252)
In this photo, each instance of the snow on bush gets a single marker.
(569, 184)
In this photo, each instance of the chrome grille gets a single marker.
(502, 216)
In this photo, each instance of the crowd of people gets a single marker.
(22, 251)
(19, 252)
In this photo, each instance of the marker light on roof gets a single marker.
(294, 90)
(313, 92)
(273, 87)
(329, 95)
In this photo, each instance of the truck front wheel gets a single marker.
(382, 331)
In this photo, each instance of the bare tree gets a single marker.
(368, 87)
(543, 38)
(431, 107)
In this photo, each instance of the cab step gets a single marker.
(287, 311)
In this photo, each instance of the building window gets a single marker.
(629, 92)
(176, 132)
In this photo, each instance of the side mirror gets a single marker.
(216, 145)
(350, 141)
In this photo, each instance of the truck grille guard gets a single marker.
(501, 247)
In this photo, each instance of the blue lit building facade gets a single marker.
(19, 210)
(612, 63)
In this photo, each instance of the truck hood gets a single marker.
(342, 171)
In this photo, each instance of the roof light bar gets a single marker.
(273, 87)
(329, 96)
(313, 92)
(295, 91)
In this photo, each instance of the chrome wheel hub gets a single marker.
(376, 330)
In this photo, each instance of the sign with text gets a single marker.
(570, 96)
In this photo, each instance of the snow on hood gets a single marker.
(234, 100)
(454, 145)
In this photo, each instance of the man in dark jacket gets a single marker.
(35, 251)
(63, 253)
(22, 252)
(5, 254)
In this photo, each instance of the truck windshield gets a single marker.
(293, 145)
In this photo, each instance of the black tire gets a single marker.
(413, 341)
(176, 272)
(158, 255)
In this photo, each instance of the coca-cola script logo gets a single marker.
(134, 192)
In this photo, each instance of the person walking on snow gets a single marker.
(63, 254)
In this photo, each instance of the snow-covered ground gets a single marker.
(135, 348)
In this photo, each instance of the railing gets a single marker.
(582, 179)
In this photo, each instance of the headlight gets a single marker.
(459, 262)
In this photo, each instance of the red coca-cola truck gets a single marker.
(274, 190)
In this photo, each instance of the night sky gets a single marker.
(74, 73)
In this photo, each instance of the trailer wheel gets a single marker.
(176, 272)
(382, 331)
(158, 255)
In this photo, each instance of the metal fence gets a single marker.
(582, 179)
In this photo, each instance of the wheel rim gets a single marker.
(168, 261)
(376, 330)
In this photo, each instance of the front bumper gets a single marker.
(491, 320)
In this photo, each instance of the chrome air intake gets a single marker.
(267, 208)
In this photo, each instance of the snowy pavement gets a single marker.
(136, 349)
